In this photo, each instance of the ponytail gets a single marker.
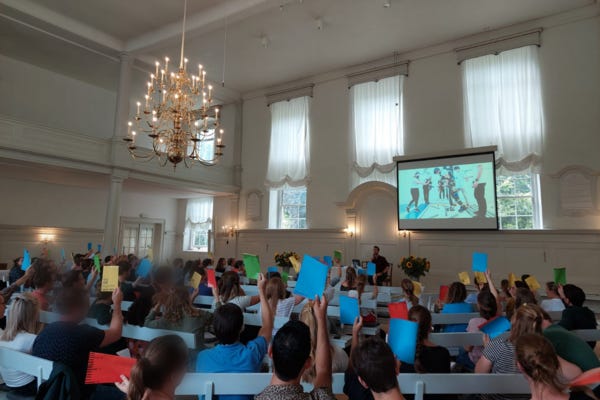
(164, 356)
(421, 316)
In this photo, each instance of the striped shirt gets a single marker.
(501, 353)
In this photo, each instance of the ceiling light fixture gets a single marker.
(178, 116)
(387, 4)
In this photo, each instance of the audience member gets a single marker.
(158, 371)
(350, 282)
(22, 327)
(339, 358)
(457, 293)
(488, 309)
(44, 283)
(553, 301)
(230, 355)
(230, 291)
(15, 272)
(575, 315)
(178, 314)
(408, 288)
(70, 342)
(290, 352)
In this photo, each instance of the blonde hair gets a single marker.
(308, 317)
(408, 288)
(177, 305)
(275, 291)
(24, 316)
(527, 319)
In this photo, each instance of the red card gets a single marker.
(106, 368)
(212, 280)
(398, 310)
(444, 293)
(589, 377)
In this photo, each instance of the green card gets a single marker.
(338, 255)
(284, 277)
(97, 263)
(252, 266)
(560, 276)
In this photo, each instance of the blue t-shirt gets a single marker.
(456, 308)
(233, 358)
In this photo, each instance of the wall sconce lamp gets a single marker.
(229, 230)
(349, 231)
(46, 238)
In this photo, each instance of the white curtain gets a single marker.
(377, 129)
(503, 106)
(290, 140)
(198, 216)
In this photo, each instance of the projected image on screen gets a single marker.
(447, 193)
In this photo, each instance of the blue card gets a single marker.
(328, 260)
(272, 269)
(99, 248)
(371, 269)
(26, 260)
(457, 308)
(362, 271)
(495, 327)
(480, 262)
(89, 246)
(144, 268)
(402, 338)
(349, 310)
(62, 254)
(311, 281)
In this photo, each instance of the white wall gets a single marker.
(569, 61)
(37, 95)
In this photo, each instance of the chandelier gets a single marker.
(178, 116)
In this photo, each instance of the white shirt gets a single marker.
(552, 305)
(22, 342)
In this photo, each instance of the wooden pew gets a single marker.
(23, 362)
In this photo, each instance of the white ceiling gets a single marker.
(354, 32)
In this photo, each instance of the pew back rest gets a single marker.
(211, 385)
(23, 362)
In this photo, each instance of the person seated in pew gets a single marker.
(488, 309)
(22, 327)
(376, 368)
(16, 272)
(575, 315)
(127, 287)
(174, 311)
(230, 355)
(472, 297)
(43, 280)
(504, 294)
(203, 288)
(408, 290)
(69, 342)
(158, 371)
(521, 295)
(101, 309)
(553, 302)
(350, 282)
(569, 346)
(499, 354)
(6, 293)
(281, 301)
(230, 291)
(74, 279)
(538, 361)
(429, 357)
(368, 315)
(290, 352)
(339, 358)
(455, 304)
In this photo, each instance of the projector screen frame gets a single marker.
(480, 151)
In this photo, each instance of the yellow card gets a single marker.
(512, 278)
(417, 288)
(195, 280)
(480, 276)
(532, 283)
(296, 264)
(110, 278)
(464, 278)
(150, 254)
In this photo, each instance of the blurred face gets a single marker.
(375, 251)
(20, 262)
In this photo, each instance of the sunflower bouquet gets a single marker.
(415, 267)
(283, 259)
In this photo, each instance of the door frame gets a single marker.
(159, 233)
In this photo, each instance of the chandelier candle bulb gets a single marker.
(138, 108)
(166, 64)
(157, 64)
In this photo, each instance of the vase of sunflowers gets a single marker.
(283, 260)
(415, 267)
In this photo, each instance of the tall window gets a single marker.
(503, 107)
(518, 206)
(289, 210)
(198, 224)
(377, 129)
(288, 171)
